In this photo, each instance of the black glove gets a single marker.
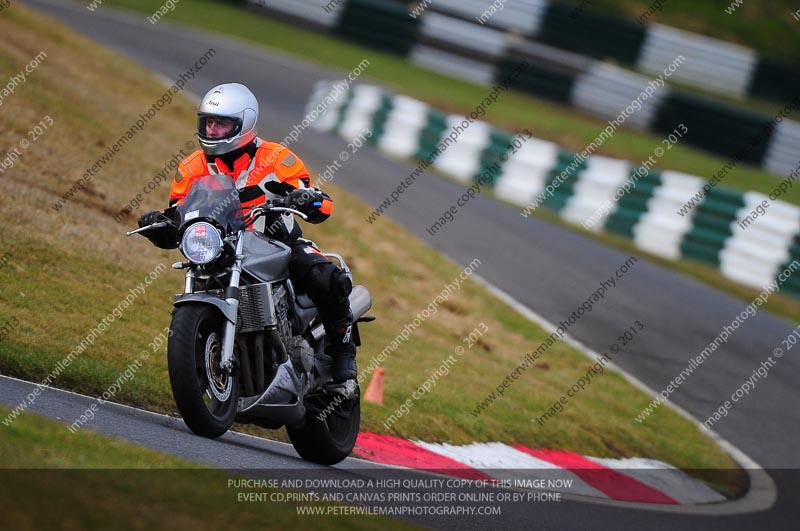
(162, 237)
(306, 200)
(151, 217)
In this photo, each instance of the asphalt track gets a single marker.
(546, 267)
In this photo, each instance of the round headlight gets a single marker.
(201, 243)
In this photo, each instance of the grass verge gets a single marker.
(69, 269)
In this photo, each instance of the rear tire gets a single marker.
(332, 439)
(206, 395)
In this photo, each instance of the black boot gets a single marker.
(342, 349)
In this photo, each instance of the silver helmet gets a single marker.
(233, 101)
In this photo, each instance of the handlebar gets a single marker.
(157, 225)
(265, 209)
(291, 210)
(275, 206)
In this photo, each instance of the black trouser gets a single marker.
(323, 281)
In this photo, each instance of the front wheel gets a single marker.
(331, 428)
(206, 395)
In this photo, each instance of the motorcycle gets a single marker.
(245, 345)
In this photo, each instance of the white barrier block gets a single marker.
(524, 16)
(403, 126)
(783, 153)
(463, 33)
(326, 14)
(661, 230)
(461, 159)
(454, 65)
(520, 184)
(358, 115)
(592, 201)
(709, 63)
(326, 102)
(755, 241)
(607, 90)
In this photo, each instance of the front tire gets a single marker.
(205, 394)
(330, 431)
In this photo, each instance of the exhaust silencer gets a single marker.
(360, 301)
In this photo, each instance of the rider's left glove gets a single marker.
(162, 237)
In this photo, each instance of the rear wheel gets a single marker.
(206, 395)
(331, 427)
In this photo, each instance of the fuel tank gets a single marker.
(266, 260)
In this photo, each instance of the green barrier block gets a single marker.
(776, 80)
(701, 252)
(712, 223)
(348, 100)
(556, 202)
(725, 209)
(633, 202)
(794, 250)
(564, 157)
(592, 33)
(643, 189)
(791, 290)
(562, 193)
(793, 280)
(431, 135)
(383, 25)
(722, 193)
(622, 221)
(500, 139)
(379, 118)
(633, 205)
(538, 80)
(716, 127)
(707, 236)
(499, 145)
(791, 285)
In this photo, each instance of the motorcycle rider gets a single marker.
(227, 118)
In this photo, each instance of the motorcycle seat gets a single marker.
(304, 301)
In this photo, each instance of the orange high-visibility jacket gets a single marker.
(272, 162)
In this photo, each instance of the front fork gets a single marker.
(231, 299)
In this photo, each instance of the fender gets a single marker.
(227, 310)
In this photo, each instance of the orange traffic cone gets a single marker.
(374, 392)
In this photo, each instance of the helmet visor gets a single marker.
(211, 127)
